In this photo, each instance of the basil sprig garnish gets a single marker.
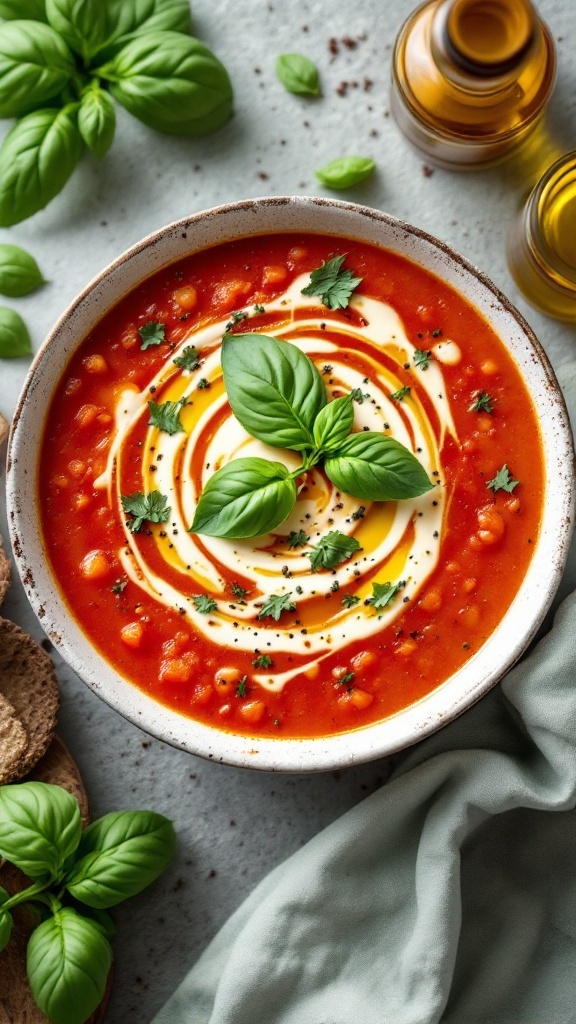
(277, 394)
(76, 875)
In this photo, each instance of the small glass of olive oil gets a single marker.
(471, 78)
(542, 244)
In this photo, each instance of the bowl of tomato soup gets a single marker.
(290, 484)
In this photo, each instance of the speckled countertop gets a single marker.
(235, 825)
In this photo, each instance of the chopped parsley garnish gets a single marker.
(166, 415)
(275, 605)
(262, 661)
(152, 507)
(359, 513)
(327, 368)
(349, 600)
(189, 360)
(422, 358)
(259, 309)
(383, 594)
(502, 481)
(203, 383)
(346, 679)
(482, 402)
(334, 548)
(118, 586)
(333, 284)
(297, 539)
(152, 333)
(236, 318)
(401, 394)
(335, 586)
(238, 591)
(204, 604)
(241, 688)
(436, 333)
(358, 396)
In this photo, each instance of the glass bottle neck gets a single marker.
(488, 38)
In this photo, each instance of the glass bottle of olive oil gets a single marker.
(542, 245)
(471, 78)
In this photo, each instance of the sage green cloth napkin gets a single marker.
(448, 895)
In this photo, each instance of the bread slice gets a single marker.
(28, 682)
(5, 568)
(13, 743)
(16, 1003)
(5, 572)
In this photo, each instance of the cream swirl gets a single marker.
(367, 350)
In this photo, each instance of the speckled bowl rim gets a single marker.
(447, 701)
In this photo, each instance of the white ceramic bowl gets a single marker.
(466, 686)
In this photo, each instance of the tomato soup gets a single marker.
(243, 635)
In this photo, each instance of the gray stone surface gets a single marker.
(235, 825)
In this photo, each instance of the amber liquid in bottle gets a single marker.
(471, 78)
(542, 246)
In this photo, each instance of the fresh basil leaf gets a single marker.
(246, 498)
(166, 416)
(483, 402)
(422, 358)
(16, 10)
(401, 394)
(334, 423)
(274, 390)
(14, 338)
(297, 539)
(204, 604)
(276, 604)
(152, 507)
(346, 171)
(5, 928)
(19, 272)
(119, 855)
(383, 594)
(298, 74)
(84, 24)
(376, 468)
(68, 960)
(35, 65)
(332, 549)
(100, 918)
(152, 333)
(332, 283)
(36, 159)
(189, 360)
(129, 18)
(502, 481)
(172, 83)
(39, 827)
(97, 121)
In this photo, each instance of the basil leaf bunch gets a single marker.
(62, 61)
(278, 396)
(76, 876)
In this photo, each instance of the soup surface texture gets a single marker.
(256, 636)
